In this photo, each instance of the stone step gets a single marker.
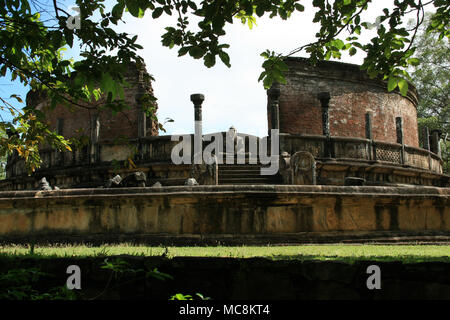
(239, 165)
(249, 180)
(241, 173)
(241, 170)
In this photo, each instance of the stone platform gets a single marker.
(247, 214)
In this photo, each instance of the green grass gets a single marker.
(349, 253)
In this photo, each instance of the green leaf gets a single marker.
(183, 51)
(117, 10)
(196, 52)
(157, 13)
(268, 80)
(403, 86)
(210, 60)
(413, 61)
(225, 58)
(133, 7)
(392, 83)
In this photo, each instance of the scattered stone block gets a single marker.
(354, 181)
(303, 165)
(191, 182)
(44, 185)
(136, 179)
(114, 182)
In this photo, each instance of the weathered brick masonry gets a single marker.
(75, 121)
(353, 94)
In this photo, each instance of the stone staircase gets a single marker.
(246, 173)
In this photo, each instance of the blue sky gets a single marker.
(233, 96)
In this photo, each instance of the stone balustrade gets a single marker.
(158, 149)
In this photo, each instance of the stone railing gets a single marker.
(357, 149)
(158, 149)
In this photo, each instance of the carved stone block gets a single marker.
(303, 166)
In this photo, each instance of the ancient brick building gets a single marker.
(341, 137)
(336, 126)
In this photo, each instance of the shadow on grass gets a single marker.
(352, 259)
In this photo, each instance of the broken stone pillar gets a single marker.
(324, 98)
(44, 185)
(285, 169)
(399, 129)
(303, 167)
(191, 182)
(135, 179)
(60, 126)
(274, 109)
(369, 126)
(435, 146)
(141, 116)
(114, 182)
(198, 99)
(206, 174)
(426, 138)
(95, 134)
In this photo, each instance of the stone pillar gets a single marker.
(399, 129)
(95, 135)
(324, 98)
(60, 126)
(426, 138)
(435, 146)
(60, 131)
(141, 116)
(198, 99)
(274, 96)
(369, 126)
(369, 134)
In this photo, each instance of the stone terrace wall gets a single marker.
(223, 213)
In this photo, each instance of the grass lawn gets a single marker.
(342, 252)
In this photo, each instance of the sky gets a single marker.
(233, 96)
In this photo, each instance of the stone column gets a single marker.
(141, 116)
(435, 146)
(399, 129)
(369, 134)
(60, 131)
(324, 98)
(426, 138)
(60, 126)
(369, 126)
(399, 133)
(95, 135)
(274, 96)
(198, 99)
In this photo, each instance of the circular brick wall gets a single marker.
(353, 94)
(74, 121)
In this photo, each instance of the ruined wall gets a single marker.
(77, 121)
(224, 213)
(353, 95)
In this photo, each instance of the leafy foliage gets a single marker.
(432, 80)
(20, 284)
